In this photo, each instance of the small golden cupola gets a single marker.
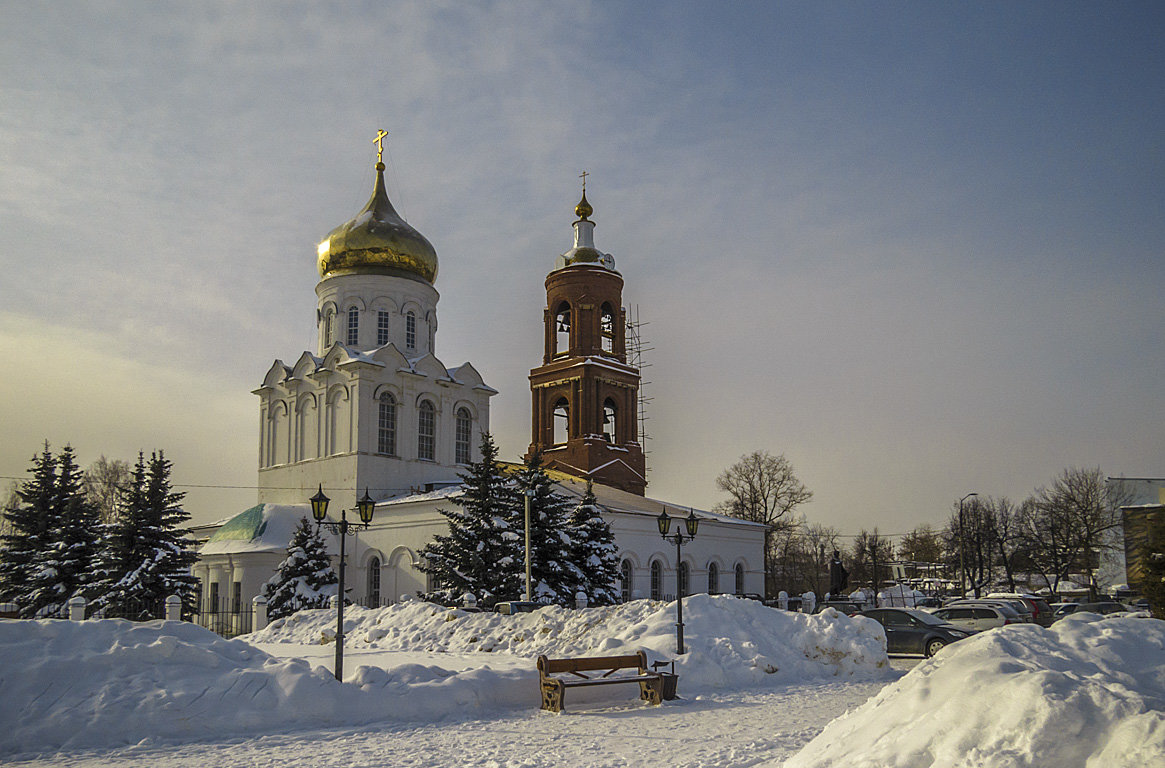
(378, 242)
(584, 250)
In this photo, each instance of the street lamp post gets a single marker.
(691, 522)
(528, 494)
(962, 549)
(319, 510)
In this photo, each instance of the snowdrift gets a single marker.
(109, 683)
(730, 642)
(1086, 692)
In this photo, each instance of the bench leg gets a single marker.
(651, 691)
(553, 692)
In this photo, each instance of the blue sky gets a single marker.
(916, 247)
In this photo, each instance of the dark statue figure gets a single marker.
(838, 576)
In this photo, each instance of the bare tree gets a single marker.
(1091, 509)
(105, 480)
(763, 488)
(871, 552)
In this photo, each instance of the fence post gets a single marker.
(783, 600)
(580, 599)
(469, 600)
(77, 608)
(173, 608)
(259, 613)
(808, 602)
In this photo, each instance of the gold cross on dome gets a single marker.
(583, 176)
(379, 142)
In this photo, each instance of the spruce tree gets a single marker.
(483, 551)
(593, 551)
(554, 574)
(146, 555)
(305, 579)
(24, 579)
(78, 530)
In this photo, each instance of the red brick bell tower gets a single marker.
(585, 395)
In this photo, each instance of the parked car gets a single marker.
(978, 617)
(1041, 611)
(909, 630)
(1103, 608)
(1060, 610)
(1022, 610)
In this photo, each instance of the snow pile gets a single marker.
(110, 683)
(1087, 691)
(730, 642)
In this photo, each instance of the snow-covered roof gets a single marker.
(262, 528)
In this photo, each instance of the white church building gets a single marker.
(373, 408)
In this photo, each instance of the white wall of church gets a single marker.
(371, 295)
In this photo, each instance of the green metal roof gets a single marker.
(244, 526)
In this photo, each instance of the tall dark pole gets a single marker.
(340, 602)
(679, 600)
(962, 549)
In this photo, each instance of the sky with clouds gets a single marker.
(915, 247)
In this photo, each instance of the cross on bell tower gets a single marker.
(585, 395)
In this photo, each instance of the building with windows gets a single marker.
(373, 409)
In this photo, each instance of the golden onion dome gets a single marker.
(378, 242)
(583, 209)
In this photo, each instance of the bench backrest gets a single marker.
(590, 663)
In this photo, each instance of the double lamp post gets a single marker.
(319, 510)
(691, 523)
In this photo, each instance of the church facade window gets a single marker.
(625, 574)
(607, 328)
(740, 578)
(656, 580)
(386, 425)
(411, 330)
(329, 322)
(713, 579)
(426, 431)
(464, 436)
(562, 329)
(685, 579)
(373, 583)
(353, 327)
(381, 328)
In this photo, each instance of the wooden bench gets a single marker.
(554, 688)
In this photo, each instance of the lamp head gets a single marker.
(366, 506)
(692, 522)
(664, 523)
(319, 505)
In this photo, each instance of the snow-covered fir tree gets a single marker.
(554, 574)
(146, 555)
(483, 552)
(78, 529)
(593, 551)
(305, 579)
(47, 554)
(24, 579)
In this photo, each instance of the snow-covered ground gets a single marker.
(428, 686)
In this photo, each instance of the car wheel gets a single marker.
(933, 646)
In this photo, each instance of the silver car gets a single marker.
(978, 617)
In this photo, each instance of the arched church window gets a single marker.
(607, 328)
(374, 583)
(329, 322)
(561, 421)
(381, 328)
(609, 421)
(464, 436)
(685, 579)
(426, 431)
(353, 327)
(740, 578)
(656, 580)
(625, 575)
(562, 328)
(411, 330)
(386, 432)
(713, 579)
